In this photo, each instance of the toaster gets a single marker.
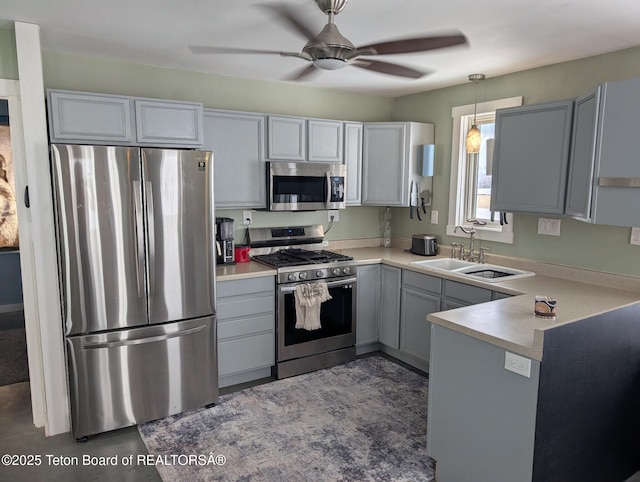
(424, 245)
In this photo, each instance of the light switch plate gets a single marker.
(434, 217)
(635, 236)
(549, 226)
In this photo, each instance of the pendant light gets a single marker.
(474, 139)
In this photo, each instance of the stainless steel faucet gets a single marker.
(472, 233)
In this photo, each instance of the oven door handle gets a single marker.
(330, 284)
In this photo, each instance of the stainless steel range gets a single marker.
(303, 266)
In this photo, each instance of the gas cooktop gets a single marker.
(300, 257)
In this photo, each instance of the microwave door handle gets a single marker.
(328, 198)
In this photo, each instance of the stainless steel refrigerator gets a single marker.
(136, 237)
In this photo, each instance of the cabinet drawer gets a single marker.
(245, 287)
(467, 293)
(243, 354)
(245, 326)
(422, 282)
(241, 306)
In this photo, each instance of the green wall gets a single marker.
(8, 59)
(582, 245)
(74, 72)
(602, 248)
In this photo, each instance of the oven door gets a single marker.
(337, 318)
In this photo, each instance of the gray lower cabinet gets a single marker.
(390, 289)
(246, 329)
(90, 118)
(482, 418)
(237, 140)
(368, 308)
(531, 158)
(457, 294)
(420, 296)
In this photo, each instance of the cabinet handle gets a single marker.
(27, 203)
(619, 181)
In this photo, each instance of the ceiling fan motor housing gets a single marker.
(329, 49)
(331, 6)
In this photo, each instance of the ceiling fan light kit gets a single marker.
(330, 50)
(474, 138)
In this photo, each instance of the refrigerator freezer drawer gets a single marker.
(131, 376)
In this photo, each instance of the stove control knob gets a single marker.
(291, 277)
(336, 272)
(346, 270)
(304, 275)
(318, 274)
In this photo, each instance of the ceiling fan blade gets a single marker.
(203, 49)
(404, 46)
(291, 19)
(302, 74)
(388, 68)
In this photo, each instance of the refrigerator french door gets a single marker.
(135, 231)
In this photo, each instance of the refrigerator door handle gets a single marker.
(137, 210)
(152, 238)
(138, 341)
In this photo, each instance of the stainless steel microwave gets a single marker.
(305, 186)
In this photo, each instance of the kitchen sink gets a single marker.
(448, 264)
(489, 273)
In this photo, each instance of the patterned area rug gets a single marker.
(365, 420)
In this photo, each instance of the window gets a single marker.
(470, 193)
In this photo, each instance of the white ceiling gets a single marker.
(504, 35)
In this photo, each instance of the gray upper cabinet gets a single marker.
(531, 158)
(78, 117)
(324, 140)
(287, 138)
(88, 118)
(170, 123)
(583, 149)
(390, 161)
(237, 140)
(614, 159)
(353, 161)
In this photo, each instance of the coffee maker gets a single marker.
(224, 241)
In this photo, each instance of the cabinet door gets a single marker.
(415, 330)
(531, 158)
(324, 140)
(391, 279)
(237, 142)
(617, 186)
(168, 123)
(383, 167)
(368, 307)
(583, 149)
(353, 161)
(77, 117)
(286, 139)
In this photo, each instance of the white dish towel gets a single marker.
(309, 298)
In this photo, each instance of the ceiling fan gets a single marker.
(330, 50)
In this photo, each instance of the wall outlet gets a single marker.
(247, 218)
(333, 215)
(635, 236)
(517, 364)
(434, 217)
(549, 226)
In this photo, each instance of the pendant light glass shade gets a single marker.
(474, 139)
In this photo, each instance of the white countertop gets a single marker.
(509, 323)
